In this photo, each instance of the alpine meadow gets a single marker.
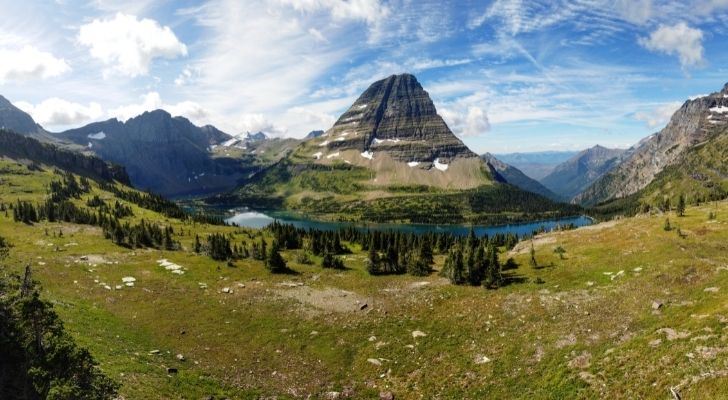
(363, 199)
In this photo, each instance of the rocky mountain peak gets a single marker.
(17, 120)
(396, 116)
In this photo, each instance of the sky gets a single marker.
(506, 75)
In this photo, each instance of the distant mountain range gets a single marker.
(509, 174)
(390, 153)
(571, 177)
(536, 164)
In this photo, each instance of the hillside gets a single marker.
(688, 127)
(571, 177)
(570, 327)
(390, 157)
(14, 119)
(509, 174)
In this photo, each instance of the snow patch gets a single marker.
(344, 134)
(340, 139)
(367, 154)
(97, 136)
(230, 142)
(380, 141)
(363, 106)
(439, 165)
(324, 143)
(719, 110)
(318, 155)
(333, 155)
(413, 164)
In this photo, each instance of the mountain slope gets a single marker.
(574, 175)
(167, 154)
(512, 175)
(14, 119)
(536, 164)
(689, 126)
(22, 148)
(390, 157)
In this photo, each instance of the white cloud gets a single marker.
(259, 123)
(310, 116)
(55, 112)
(678, 39)
(185, 77)
(128, 45)
(659, 116)
(371, 11)
(636, 11)
(317, 35)
(466, 120)
(29, 63)
(153, 101)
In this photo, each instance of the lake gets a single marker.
(251, 219)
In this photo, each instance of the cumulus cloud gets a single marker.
(153, 101)
(678, 39)
(658, 116)
(317, 118)
(185, 77)
(470, 121)
(55, 112)
(29, 63)
(128, 45)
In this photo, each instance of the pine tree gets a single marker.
(198, 245)
(493, 277)
(273, 261)
(373, 260)
(681, 206)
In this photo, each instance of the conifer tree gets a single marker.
(681, 206)
(274, 261)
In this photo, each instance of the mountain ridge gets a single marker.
(571, 177)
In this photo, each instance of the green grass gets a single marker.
(258, 340)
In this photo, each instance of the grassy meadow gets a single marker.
(631, 311)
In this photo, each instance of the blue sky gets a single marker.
(507, 75)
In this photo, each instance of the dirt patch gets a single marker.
(525, 246)
(672, 334)
(327, 299)
(582, 361)
(599, 227)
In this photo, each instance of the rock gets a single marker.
(655, 343)
(711, 289)
(656, 305)
(386, 396)
(180, 357)
(332, 395)
(672, 334)
(171, 370)
(416, 334)
(372, 338)
(481, 359)
(154, 352)
(363, 306)
(374, 361)
(226, 290)
(83, 258)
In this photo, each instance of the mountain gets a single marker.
(509, 174)
(14, 119)
(536, 164)
(166, 154)
(389, 157)
(313, 134)
(694, 123)
(574, 175)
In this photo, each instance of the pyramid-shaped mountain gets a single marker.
(393, 129)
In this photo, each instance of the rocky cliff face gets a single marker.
(14, 119)
(166, 154)
(396, 116)
(576, 174)
(690, 125)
